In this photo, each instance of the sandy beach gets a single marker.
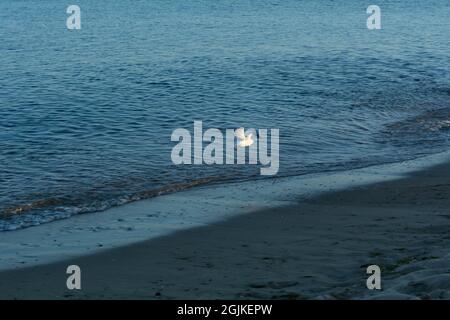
(316, 249)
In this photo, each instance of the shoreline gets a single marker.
(151, 218)
(301, 246)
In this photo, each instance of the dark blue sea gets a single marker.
(86, 115)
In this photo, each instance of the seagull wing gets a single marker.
(240, 133)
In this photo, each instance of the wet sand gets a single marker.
(316, 249)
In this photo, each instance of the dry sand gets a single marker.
(318, 248)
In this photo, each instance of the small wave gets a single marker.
(51, 209)
(20, 209)
(432, 121)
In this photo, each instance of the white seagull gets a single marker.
(245, 140)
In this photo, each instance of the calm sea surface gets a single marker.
(86, 116)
